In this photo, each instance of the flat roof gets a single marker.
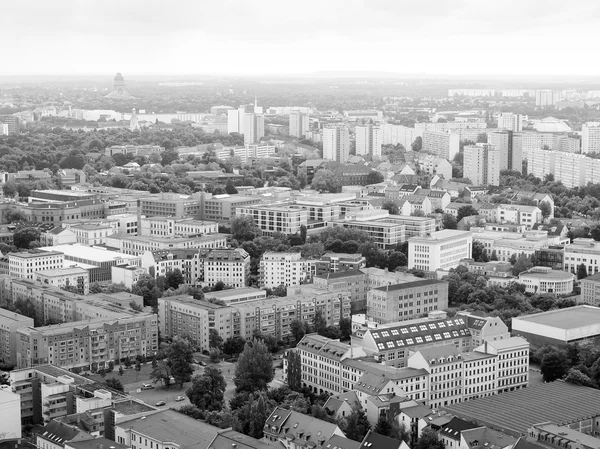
(234, 293)
(516, 411)
(569, 318)
(33, 254)
(62, 271)
(88, 252)
(411, 284)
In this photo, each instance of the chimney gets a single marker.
(485, 346)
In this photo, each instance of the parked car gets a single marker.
(179, 398)
(147, 386)
(159, 403)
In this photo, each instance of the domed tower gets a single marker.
(119, 84)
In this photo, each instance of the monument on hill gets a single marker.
(119, 92)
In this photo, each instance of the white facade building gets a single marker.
(336, 143)
(510, 121)
(254, 128)
(441, 143)
(442, 249)
(299, 124)
(287, 269)
(590, 137)
(481, 164)
(368, 140)
(26, 264)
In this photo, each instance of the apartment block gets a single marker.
(406, 301)
(353, 281)
(287, 269)
(10, 322)
(76, 279)
(481, 164)
(368, 140)
(254, 128)
(223, 207)
(400, 135)
(90, 343)
(176, 227)
(442, 249)
(590, 137)
(510, 121)
(299, 124)
(441, 143)
(272, 218)
(590, 290)
(511, 151)
(186, 317)
(230, 266)
(91, 233)
(26, 264)
(336, 143)
(512, 365)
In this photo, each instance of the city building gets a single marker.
(229, 266)
(590, 290)
(299, 124)
(12, 124)
(223, 207)
(546, 97)
(484, 327)
(137, 245)
(10, 410)
(89, 343)
(229, 438)
(176, 227)
(26, 264)
(172, 205)
(512, 364)
(254, 128)
(57, 435)
(75, 279)
(302, 431)
(559, 327)
(288, 269)
(231, 296)
(336, 143)
(91, 233)
(368, 140)
(353, 281)
(582, 251)
(590, 137)
(441, 143)
(334, 262)
(546, 280)
(275, 218)
(441, 249)
(510, 121)
(552, 435)
(10, 322)
(481, 164)
(97, 261)
(406, 301)
(165, 429)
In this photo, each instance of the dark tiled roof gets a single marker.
(375, 441)
(338, 442)
(455, 427)
(229, 438)
(420, 333)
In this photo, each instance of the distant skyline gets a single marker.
(278, 37)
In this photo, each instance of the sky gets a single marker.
(282, 37)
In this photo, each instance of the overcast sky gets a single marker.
(528, 37)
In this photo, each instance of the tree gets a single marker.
(428, 440)
(102, 372)
(482, 138)
(345, 328)
(417, 145)
(174, 279)
(115, 384)
(478, 252)
(230, 188)
(319, 322)
(181, 356)
(554, 365)
(356, 425)
(207, 391)
(578, 378)
(303, 232)
(214, 339)
(383, 426)
(251, 417)
(244, 228)
(581, 271)
(254, 369)
(121, 371)
(523, 263)
(448, 221)
(161, 372)
(23, 237)
(234, 345)
(297, 330)
(13, 216)
(391, 207)
(326, 181)
(374, 177)
(294, 372)
(465, 211)
(546, 209)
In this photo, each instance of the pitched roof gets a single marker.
(58, 433)
(335, 402)
(524, 443)
(297, 426)
(371, 383)
(338, 442)
(317, 344)
(373, 440)
(417, 411)
(454, 428)
(418, 333)
(229, 438)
